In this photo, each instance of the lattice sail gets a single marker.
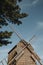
(4, 61)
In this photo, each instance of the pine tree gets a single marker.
(9, 10)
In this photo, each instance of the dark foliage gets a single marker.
(11, 11)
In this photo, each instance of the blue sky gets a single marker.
(33, 24)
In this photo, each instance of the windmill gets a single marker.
(26, 46)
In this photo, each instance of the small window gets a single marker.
(14, 54)
(14, 62)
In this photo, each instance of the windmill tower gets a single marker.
(23, 54)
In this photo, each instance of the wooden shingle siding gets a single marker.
(26, 59)
(22, 54)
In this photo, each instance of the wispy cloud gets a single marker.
(32, 3)
(35, 2)
(40, 25)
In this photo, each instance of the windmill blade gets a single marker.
(41, 61)
(32, 38)
(4, 61)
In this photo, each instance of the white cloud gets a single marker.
(32, 3)
(40, 24)
(35, 2)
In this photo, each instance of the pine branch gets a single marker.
(4, 42)
(10, 11)
(5, 34)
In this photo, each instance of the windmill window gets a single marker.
(14, 54)
(14, 62)
(19, 55)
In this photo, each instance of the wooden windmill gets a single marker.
(22, 53)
